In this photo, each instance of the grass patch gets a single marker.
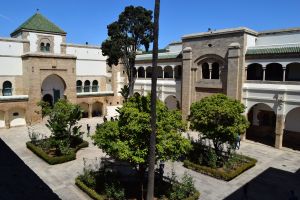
(241, 164)
(56, 159)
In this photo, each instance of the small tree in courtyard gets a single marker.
(128, 138)
(219, 119)
(132, 30)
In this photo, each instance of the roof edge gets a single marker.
(36, 31)
(278, 31)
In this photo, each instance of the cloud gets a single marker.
(5, 17)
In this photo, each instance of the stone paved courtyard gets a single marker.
(276, 173)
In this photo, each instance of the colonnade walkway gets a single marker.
(276, 173)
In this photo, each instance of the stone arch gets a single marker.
(49, 99)
(172, 103)
(149, 72)
(2, 119)
(291, 135)
(55, 86)
(210, 58)
(97, 109)
(7, 88)
(168, 72)
(79, 86)
(87, 85)
(95, 86)
(293, 72)
(274, 72)
(85, 108)
(178, 71)
(17, 117)
(262, 120)
(159, 72)
(141, 72)
(255, 72)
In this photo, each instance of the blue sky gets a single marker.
(86, 20)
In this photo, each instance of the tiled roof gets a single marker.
(166, 55)
(39, 23)
(274, 49)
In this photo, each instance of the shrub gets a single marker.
(115, 191)
(92, 193)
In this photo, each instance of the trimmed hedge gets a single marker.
(227, 176)
(55, 160)
(92, 193)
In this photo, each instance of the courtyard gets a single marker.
(264, 181)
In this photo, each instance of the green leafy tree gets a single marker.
(125, 92)
(219, 119)
(128, 138)
(63, 119)
(132, 30)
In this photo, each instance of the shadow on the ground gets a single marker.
(273, 184)
(18, 181)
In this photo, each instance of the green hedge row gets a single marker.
(92, 193)
(55, 160)
(227, 176)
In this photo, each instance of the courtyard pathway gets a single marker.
(272, 178)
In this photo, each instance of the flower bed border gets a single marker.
(55, 160)
(94, 195)
(226, 176)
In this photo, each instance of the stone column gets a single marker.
(284, 69)
(6, 119)
(90, 110)
(163, 73)
(264, 72)
(187, 65)
(246, 70)
(210, 69)
(173, 72)
(279, 131)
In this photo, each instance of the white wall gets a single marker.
(18, 120)
(10, 66)
(278, 39)
(89, 60)
(11, 48)
(251, 40)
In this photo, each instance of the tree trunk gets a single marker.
(151, 175)
(141, 174)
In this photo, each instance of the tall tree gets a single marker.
(128, 138)
(151, 169)
(133, 29)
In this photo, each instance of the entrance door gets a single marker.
(56, 95)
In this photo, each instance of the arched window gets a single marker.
(178, 72)
(205, 71)
(159, 72)
(47, 47)
(293, 72)
(168, 72)
(87, 85)
(79, 86)
(7, 88)
(95, 86)
(274, 72)
(215, 71)
(141, 72)
(255, 72)
(149, 72)
(42, 47)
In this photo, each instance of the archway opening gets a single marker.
(148, 72)
(255, 72)
(7, 88)
(54, 86)
(141, 72)
(85, 109)
(274, 72)
(291, 135)
(168, 72)
(95, 86)
(97, 109)
(293, 72)
(178, 72)
(159, 72)
(79, 86)
(87, 86)
(215, 72)
(262, 120)
(172, 103)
